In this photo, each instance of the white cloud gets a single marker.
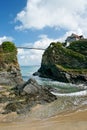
(5, 38)
(33, 57)
(66, 14)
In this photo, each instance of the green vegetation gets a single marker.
(8, 54)
(79, 46)
(75, 71)
(56, 53)
(9, 47)
(58, 48)
(65, 64)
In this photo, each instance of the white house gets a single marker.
(72, 38)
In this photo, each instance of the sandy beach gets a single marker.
(65, 113)
(45, 117)
(71, 121)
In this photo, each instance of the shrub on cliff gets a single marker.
(57, 54)
(79, 46)
(8, 53)
(9, 47)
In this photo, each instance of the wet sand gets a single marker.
(37, 119)
(70, 121)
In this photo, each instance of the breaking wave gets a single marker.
(81, 93)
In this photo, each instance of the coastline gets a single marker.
(67, 120)
(72, 121)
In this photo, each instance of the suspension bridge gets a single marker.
(42, 49)
(31, 48)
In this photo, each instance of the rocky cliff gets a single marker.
(9, 67)
(65, 64)
(18, 96)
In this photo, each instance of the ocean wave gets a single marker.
(80, 93)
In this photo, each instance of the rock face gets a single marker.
(23, 97)
(65, 64)
(9, 67)
(33, 90)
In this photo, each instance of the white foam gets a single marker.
(81, 93)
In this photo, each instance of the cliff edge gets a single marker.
(9, 68)
(65, 64)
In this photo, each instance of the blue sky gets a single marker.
(36, 23)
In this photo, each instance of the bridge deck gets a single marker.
(30, 48)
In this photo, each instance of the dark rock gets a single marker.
(36, 74)
(26, 96)
(65, 64)
(31, 87)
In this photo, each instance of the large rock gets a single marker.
(23, 97)
(33, 90)
(9, 68)
(65, 64)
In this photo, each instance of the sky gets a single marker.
(37, 23)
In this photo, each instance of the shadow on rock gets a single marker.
(28, 95)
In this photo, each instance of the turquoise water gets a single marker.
(64, 88)
(27, 71)
(70, 96)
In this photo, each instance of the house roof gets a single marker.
(75, 36)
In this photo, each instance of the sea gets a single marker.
(69, 96)
(27, 71)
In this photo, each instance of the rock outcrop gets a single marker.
(9, 68)
(32, 89)
(15, 94)
(22, 98)
(65, 64)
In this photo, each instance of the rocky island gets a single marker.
(66, 63)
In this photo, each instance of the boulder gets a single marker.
(23, 97)
(33, 90)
